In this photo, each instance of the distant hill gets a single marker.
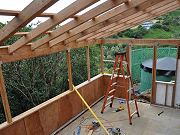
(166, 26)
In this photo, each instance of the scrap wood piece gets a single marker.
(90, 132)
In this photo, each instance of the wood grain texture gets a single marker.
(50, 115)
(34, 9)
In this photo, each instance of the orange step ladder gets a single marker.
(109, 95)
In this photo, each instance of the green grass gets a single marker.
(158, 33)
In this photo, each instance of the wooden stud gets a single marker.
(153, 91)
(4, 97)
(174, 88)
(129, 52)
(142, 41)
(102, 58)
(68, 59)
(24, 17)
(88, 63)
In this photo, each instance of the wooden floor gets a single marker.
(149, 123)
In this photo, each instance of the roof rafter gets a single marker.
(114, 12)
(25, 16)
(80, 19)
(117, 20)
(66, 13)
(133, 22)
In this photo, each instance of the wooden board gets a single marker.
(50, 115)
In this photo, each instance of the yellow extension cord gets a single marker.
(100, 123)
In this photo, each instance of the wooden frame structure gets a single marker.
(92, 27)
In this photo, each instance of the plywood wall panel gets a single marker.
(65, 109)
(17, 128)
(33, 124)
(169, 95)
(160, 93)
(49, 117)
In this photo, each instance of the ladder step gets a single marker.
(110, 97)
(132, 101)
(127, 77)
(117, 69)
(113, 84)
(108, 104)
(109, 61)
(133, 113)
(113, 90)
(130, 90)
(125, 62)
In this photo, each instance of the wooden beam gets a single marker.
(24, 17)
(88, 63)
(25, 52)
(16, 13)
(102, 18)
(66, 13)
(76, 22)
(4, 97)
(102, 58)
(153, 91)
(142, 41)
(68, 59)
(25, 33)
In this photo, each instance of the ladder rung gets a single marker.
(133, 113)
(109, 97)
(130, 90)
(112, 91)
(108, 104)
(109, 61)
(125, 62)
(127, 77)
(113, 84)
(132, 101)
(117, 69)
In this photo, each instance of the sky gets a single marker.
(21, 4)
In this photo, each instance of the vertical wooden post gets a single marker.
(129, 55)
(102, 58)
(88, 63)
(153, 91)
(4, 97)
(68, 58)
(176, 74)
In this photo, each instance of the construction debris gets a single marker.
(160, 113)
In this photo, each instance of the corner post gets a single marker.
(68, 59)
(4, 97)
(153, 91)
(102, 57)
(88, 63)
